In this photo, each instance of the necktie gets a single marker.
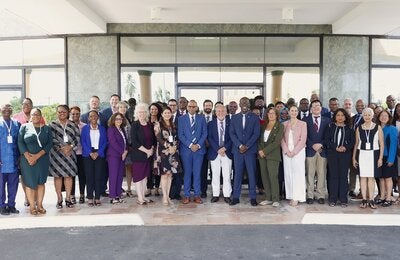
(192, 129)
(244, 120)
(221, 133)
(316, 123)
(391, 112)
(207, 119)
(304, 114)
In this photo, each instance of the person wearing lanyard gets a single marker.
(63, 162)
(34, 142)
(116, 154)
(339, 141)
(8, 161)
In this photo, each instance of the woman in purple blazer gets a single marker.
(116, 154)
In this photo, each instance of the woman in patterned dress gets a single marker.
(63, 162)
(167, 152)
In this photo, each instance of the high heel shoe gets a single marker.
(33, 211)
(157, 192)
(81, 199)
(59, 205)
(73, 200)
(68, 204)
(41, 210)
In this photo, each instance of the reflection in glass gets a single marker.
(384, 82)
(386, 51)
(297, 82)
(147, 50)
(292, 50)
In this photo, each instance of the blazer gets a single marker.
(299, 131)
(247, 136)
(185, 133)
(138, 139)
(213, 139)
(116, 144)
(271, 148)
(87, 145)
(329, 140)
(314, 137)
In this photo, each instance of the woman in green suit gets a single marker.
(269, 152)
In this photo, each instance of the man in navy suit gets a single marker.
(109, 111)
(244, 132)
(315, 154)
(219, 153)
(192, 133)
(94, 104)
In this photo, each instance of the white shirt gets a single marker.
(95, 137)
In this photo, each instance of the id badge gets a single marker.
(9, 139)
(170, 138)
(367, 146)
(65, 139)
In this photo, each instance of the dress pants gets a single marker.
(116, 167)
(81, 175)
(10, 180)
(269, 174)
(95, 172)
(316, 165)
(338, 164)
(176, 186)
(224, 164)
(192, 162)
(247, 160)
(204, 175)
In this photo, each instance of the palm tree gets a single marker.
(130, 86)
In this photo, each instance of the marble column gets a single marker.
(145, 86)
(276, 94)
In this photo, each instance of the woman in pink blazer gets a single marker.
(294, 156)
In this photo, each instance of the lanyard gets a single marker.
(8, 127)
(367, 134)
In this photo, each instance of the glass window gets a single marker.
(12, 97)
(242, 50)
(292, 50)
(43, 51)
(242, 74)
(297, 82)
(45, 86)
(199, 74)
(236, 93)
(147, 50)
(386, 51)
(11, 53)
(10, 77)
(162, 83)
(384, 82)
(200, 94)
(198, 50)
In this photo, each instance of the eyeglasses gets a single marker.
(62, 112)
(192, 106)
(75, 114)
(118, 119)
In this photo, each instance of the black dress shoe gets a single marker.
(214, 199)
(203, 195)
(13, 210)
(321, 201)
(253, 202)
(227, 200)
(234, 202)
(352, 194)
(4, 211)
(310, 201)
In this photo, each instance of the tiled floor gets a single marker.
(204, 214)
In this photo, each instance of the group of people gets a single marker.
(302, 153)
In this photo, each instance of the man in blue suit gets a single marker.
(244, 132)
(315, 154)
(94, 104)
(192, 133)
(219, 153)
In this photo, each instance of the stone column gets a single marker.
(28, 73)
(276, 93)
(145, 86)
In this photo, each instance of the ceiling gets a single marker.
(51, 17)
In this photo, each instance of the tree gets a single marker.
(130, 85)
(16, 104)
(161, 94)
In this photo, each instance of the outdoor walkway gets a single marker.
(155, 214)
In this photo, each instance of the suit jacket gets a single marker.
(355, 123)
(185, 133)
(299, 132)
(213, 140)
(314, 137)
(139, 139)
(329, 140)
(116, 144)
(87, 145)
(271, 148)
(102, 119)
(247, 136)
(106, 114)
